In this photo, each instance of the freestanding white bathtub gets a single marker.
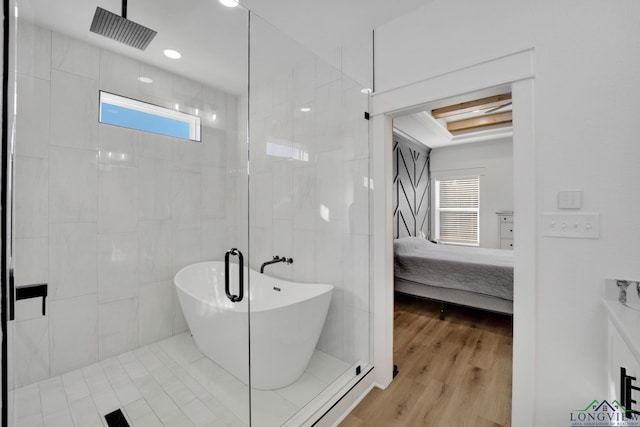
(286, 321)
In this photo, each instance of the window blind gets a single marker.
(458, 210)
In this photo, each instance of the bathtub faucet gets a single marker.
(275, 260)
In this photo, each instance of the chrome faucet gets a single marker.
(276, 259)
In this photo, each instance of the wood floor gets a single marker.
(452, 372)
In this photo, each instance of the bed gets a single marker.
(470, 276)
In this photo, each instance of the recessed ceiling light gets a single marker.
(144, 79)
(173, 54)
(366, 90)
(214, 116)
(305, 109)
(229, 3)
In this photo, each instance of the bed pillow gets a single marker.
(406, 244)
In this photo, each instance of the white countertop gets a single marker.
(625, 319)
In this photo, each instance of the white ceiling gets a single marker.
(213, 38)
(420, 126)
(323, 25)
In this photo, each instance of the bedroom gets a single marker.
(453, 185)
(425, 153)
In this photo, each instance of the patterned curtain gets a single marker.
(411, 189)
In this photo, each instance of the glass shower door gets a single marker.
(131, 165)
(309, 230)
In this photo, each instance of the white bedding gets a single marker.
(479, 270)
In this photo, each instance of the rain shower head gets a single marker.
(120, 29)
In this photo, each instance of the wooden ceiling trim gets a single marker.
(467, 107)
(479, 122)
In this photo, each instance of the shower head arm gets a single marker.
(124, 9)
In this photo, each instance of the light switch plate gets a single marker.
(569, 199)
(571, 225)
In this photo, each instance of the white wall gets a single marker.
(493, 162)
(585, 87)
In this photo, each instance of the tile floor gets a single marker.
(168, 383)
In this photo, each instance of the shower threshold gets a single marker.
(170, 383)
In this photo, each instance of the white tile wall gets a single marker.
(74, 111)
(214, 147)
(282, 192)
(187, 94)
(356, 192)
(152, 146)
(319, 208)
(218, 103)
(117, 266)
(356, 271)
(154, 179)
(305, 209)
(329, 253)
(34, 101)
(35, 47)
(213, 239)
(32, 202)
(186, 245)
(31, 350)
(155, 311)
(73, 181)
(73, 333)
(73, 249)
(32, 261)
(213, 184)
(158, 92)
(117, 198)
(154, 251)
(332, 337)
(186, 156)
(119, 74)
(186, 197)
(262, 201)
(118, 327)
(74, 56)
(178, 322)
(118, 146)
(106, 215)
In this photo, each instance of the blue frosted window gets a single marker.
(129, 113)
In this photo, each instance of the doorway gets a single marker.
(516, 71)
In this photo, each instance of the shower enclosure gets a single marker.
(122, 165)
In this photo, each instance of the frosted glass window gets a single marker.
(129, 113)
(458, 211)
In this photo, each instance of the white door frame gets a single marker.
(517, 71)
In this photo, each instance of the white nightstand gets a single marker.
(506, 229)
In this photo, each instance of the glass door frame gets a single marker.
(6, 208)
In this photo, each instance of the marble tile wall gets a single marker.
(310, 190)
(107, 215)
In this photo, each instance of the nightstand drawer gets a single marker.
(506, 230)
(506, 244)
(506, 218)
